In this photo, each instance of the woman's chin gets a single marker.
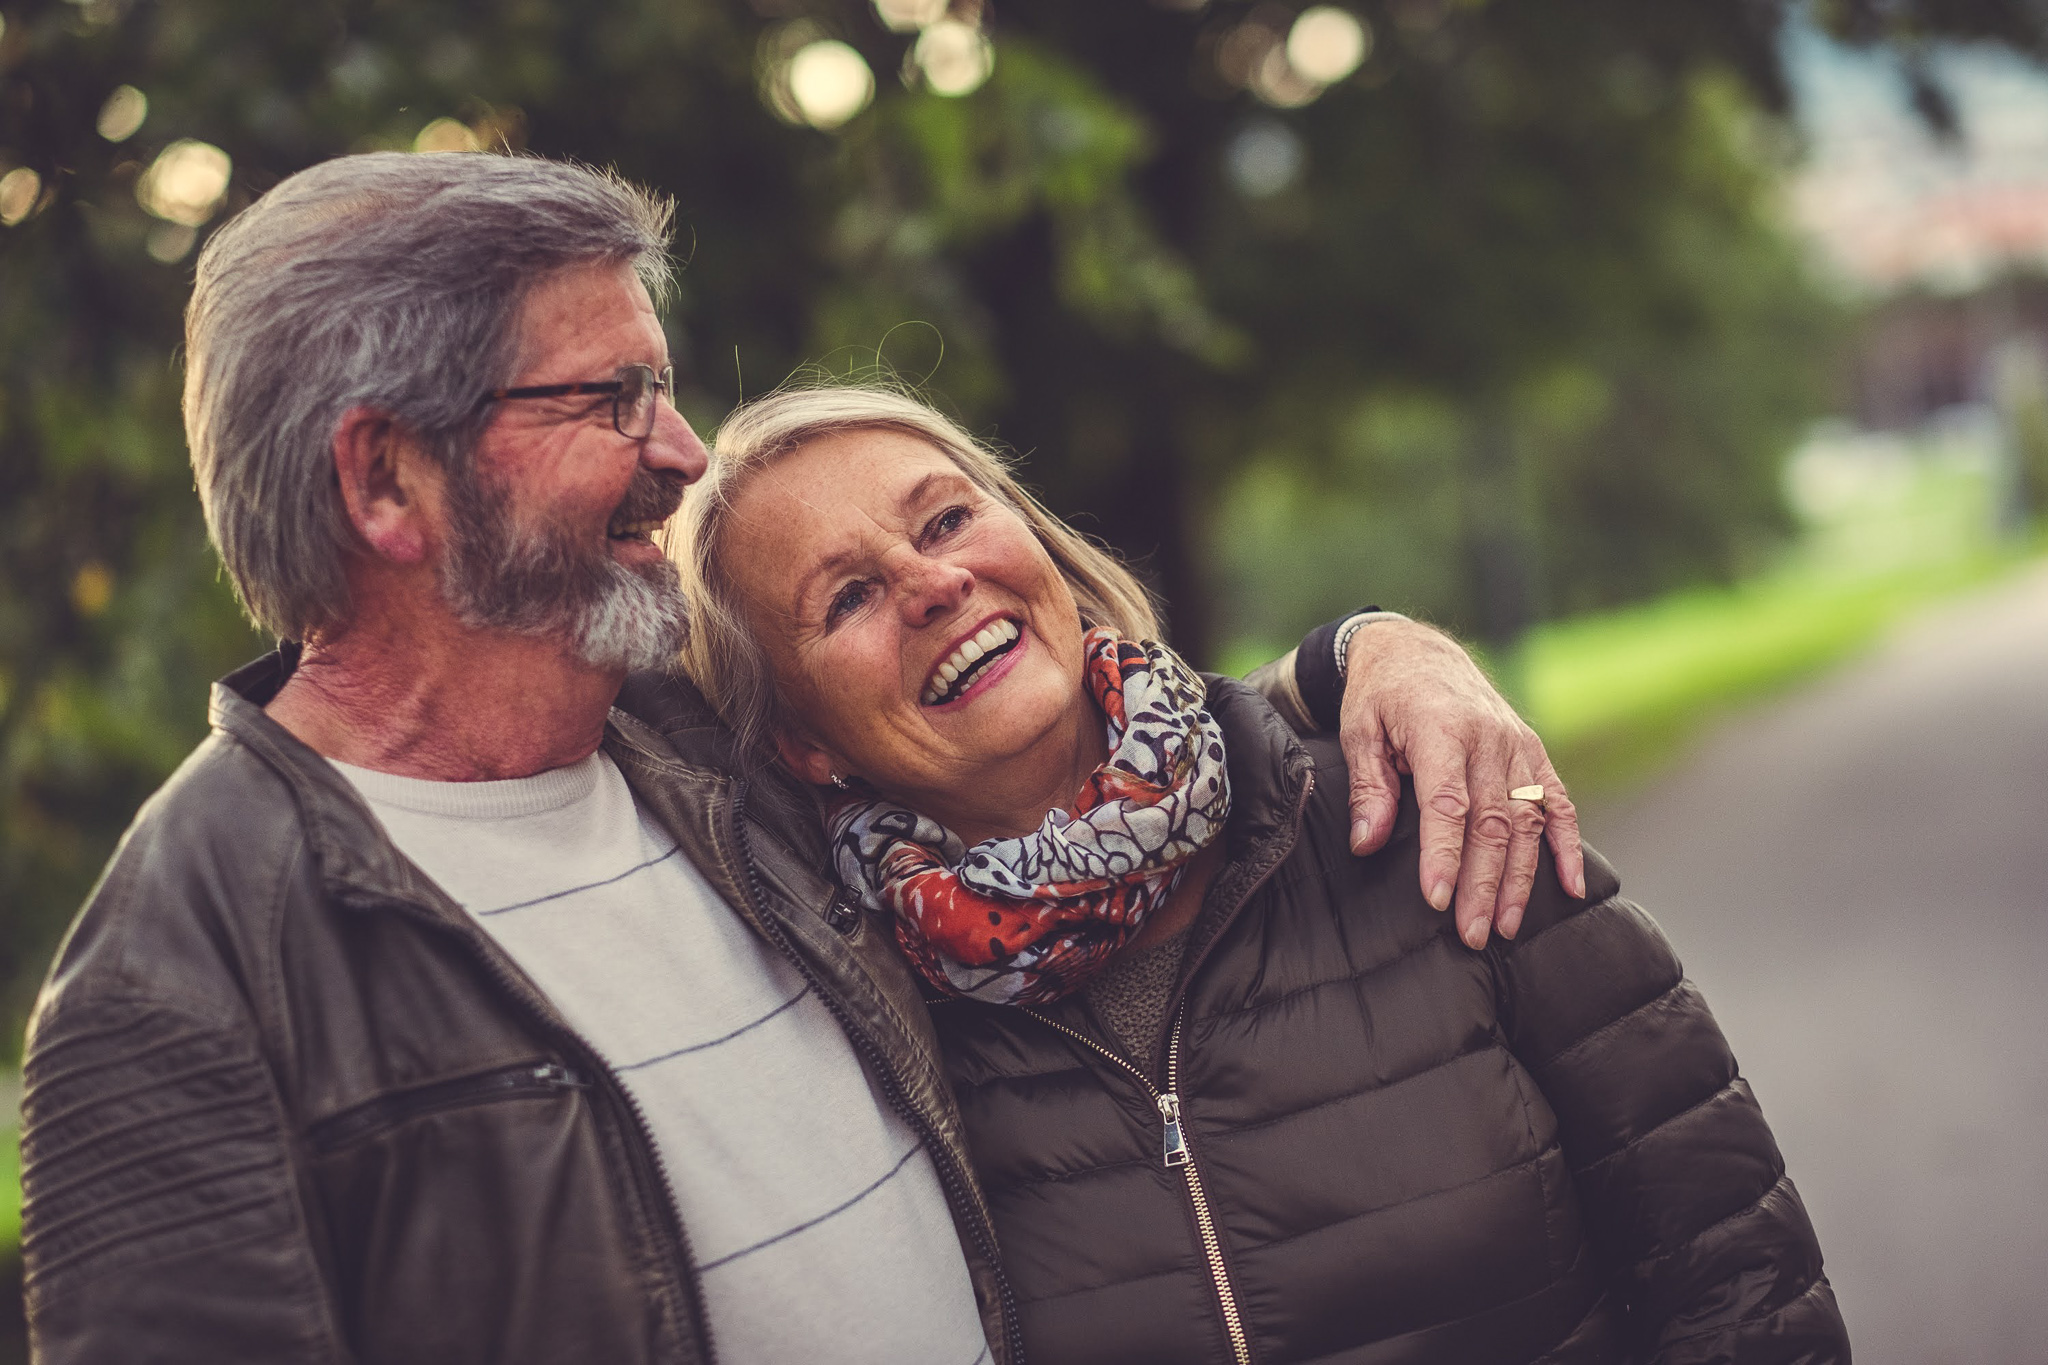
(1001, 718)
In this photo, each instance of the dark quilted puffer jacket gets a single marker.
(1395, 1149)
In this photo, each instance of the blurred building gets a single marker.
(1946, 235)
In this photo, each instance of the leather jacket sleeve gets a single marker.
(161, 1218)
(1303, 684)
(1682, 1185)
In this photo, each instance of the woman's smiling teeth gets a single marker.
(975, 656)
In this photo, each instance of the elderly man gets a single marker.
(456, 1000)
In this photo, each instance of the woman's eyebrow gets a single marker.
(922, 489)
(918, 493)
(825, 567)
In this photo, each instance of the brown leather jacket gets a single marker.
(1390, 1148)
(287, 1103)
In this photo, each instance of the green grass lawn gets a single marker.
(1619, 693)
(1616, 695)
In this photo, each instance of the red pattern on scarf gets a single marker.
(977, 929)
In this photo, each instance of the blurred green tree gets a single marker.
(1511, 272)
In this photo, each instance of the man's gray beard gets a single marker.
(551, 584)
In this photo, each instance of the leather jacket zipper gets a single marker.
(669, 1214)
(951, 1177)
(527, 1080)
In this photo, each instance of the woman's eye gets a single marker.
(846, 600)
(946, 523)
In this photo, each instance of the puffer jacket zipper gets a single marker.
(1175, 1151)
(1178, 1156)
(951, 1176)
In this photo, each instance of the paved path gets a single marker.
(1858, 879)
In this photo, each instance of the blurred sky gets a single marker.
(1891, 203)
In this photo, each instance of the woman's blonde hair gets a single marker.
(721, 654)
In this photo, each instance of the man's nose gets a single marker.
(928, 589)
(673, 446)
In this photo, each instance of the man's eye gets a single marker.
(946, 523)
(847, 600)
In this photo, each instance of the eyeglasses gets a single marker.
(633, 396)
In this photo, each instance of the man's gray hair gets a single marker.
(389, 280)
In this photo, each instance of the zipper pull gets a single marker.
(554, 1073)
(1176, 1145)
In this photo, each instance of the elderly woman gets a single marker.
(1231, 1095)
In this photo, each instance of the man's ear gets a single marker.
(389, 485)
(807, 758)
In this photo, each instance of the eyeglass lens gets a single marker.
(633, 407)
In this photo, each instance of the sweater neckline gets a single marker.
(502, 799)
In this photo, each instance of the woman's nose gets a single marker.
(929, 589)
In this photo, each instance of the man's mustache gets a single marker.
(654, 495)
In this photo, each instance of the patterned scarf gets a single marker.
(1027, 920)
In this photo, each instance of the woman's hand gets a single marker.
(1415, 702)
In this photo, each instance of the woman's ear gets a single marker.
(806, 758)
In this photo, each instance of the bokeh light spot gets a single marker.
(123, 113)
(903, 16)
(92, 588)
(186, 182)
(1327, 44)
(446, 135)
(19, 189)
(955, 57)
(830, 83)
(168, 243)
(1243, 49)
(1276, 82)
(1264, 158)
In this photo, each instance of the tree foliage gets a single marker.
(1512, 289)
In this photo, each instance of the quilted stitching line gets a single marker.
(1813, 1287)
(1358, 978)
(1657, 1127)
(1371, 1088)
(1612, 1026)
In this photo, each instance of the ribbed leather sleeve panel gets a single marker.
(156, 1190)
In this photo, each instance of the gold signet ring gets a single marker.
(1528, 793)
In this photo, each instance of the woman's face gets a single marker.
(875, 572)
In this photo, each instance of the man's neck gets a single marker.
(449, 706)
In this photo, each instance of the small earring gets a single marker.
(841, 783)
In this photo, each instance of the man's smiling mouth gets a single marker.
(650, 501)
(975, 656)
(634, 530)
